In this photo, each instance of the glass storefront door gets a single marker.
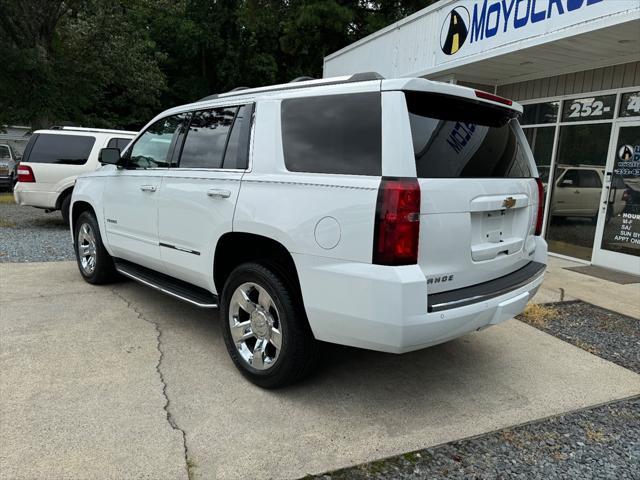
(576, 188)
(619, 207)
(587, 150)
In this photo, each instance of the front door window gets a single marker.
(155, 147)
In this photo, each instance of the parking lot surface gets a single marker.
(29, 234)
(120, 381)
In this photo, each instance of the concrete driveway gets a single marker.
(123, 382)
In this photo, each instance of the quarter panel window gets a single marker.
(61, 149)
(206, 140)
(154, 148)
(333, 134)
(237, 154)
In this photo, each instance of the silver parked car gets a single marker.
(8, 166)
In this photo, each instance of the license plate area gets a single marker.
(497, 233)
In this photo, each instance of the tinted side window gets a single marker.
(206, 139)
(333, 134)
(120, 143)
(62, 149)
(237, 155)
(154, 148)
(4, 152)
(589, 179)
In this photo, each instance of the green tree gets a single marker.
(117, 63)
(83, 62)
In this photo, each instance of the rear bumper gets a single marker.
(6, 181)
(386, 308)
(34, 198)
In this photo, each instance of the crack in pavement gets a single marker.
(170, 419)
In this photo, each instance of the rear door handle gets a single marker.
(148, 188)
(216, 192)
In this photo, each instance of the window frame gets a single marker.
(175, 165)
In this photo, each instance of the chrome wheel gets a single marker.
(255, 326)
(87, 248)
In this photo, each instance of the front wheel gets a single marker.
(95, 263)
(265, 327)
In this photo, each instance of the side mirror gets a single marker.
(109, 156)
(567, 182)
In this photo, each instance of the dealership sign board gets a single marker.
(452, 33)
(473, 26)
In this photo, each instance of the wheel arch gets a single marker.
(77, 208)
(63, 194)
(235, 248)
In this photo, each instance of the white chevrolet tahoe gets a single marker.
(384, 214)
(54, 158)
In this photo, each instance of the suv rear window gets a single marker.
(63, 149)
(4, 152)
(333, 134)
(460, 138)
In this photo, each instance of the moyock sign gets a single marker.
(473, 26)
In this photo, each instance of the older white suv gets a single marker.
(54, 158)
(384, 214)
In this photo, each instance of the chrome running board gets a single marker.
(164, 283)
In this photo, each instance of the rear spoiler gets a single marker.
(429, 86)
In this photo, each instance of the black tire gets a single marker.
(64, 208)
(299, 351)
(104, 271)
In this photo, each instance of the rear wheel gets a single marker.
(64, 208)
(95, 263)
(265, 328)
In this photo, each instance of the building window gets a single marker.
(630, 104)
(537, 113)
(601, 107)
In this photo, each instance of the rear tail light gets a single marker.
(25, 174)
(493, 98)
(540, 212)
(397, 222)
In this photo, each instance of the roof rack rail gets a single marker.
(357, 77)
(302, 79)
(85, 129)
(238, 88)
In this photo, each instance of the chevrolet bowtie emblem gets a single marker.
(508, 202)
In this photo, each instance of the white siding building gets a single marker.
(575, 66)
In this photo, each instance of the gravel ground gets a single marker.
(28, 234)
(598, 443)
(609, 335)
